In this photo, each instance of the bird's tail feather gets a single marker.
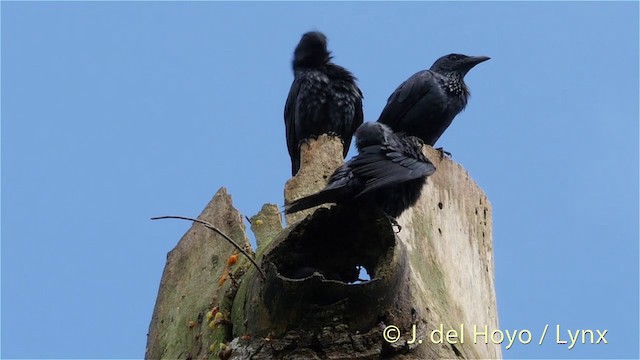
(310, 201)
(295, 166)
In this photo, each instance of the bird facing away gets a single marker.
(426, 103)
(388, 173)
(323, 99)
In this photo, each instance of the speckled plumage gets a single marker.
(323, 99)
(426, 103)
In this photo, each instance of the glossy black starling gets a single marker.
(426, 103)
(323, 99)
(389, 173)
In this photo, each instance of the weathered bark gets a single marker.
(437, 271)
(318, 159)
(189, 287)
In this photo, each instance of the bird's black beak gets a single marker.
(475, 60)
(470, 62)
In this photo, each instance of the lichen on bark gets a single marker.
(437, 271)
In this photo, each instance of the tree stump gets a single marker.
(434, 276)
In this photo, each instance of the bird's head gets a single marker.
(311, 50)
(372, 133)
(457, 63)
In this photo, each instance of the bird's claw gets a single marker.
(443, 152)
(304, 142)
(394, 224)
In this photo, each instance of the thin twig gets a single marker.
(209, 226)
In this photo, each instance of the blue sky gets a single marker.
(116, 112)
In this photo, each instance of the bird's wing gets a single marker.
(341, 177)
(290, 117)
(358, 119)
(305, 111)
(346, 104)
(342, 184)
(346, 112)
(406, 96)
(383, 166)
(311, 110)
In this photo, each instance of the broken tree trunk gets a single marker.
(435, 275)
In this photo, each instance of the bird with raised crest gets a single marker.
(323, 99)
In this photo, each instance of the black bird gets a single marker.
(426, 103)
(388, 173)
(323, 99)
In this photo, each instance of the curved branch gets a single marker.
(210, 226)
